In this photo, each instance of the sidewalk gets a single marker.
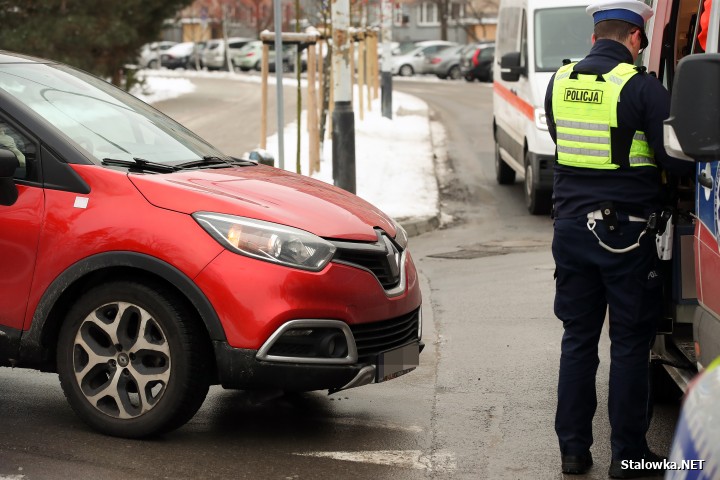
(395, 159)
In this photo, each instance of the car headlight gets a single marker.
(540, 119)
(268, 241)
(401, 236)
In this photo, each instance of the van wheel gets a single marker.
(132, 361)
(406, 71)
(537, 201)
(504, 174)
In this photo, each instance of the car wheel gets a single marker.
(454, 72)
(469, 77)
(406, 71)
(133, 360)
(537, 201)
(441, 77)
(244, 69)
(152, 64)
(504, 174)
(258, 65)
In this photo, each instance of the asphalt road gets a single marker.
(480, 406)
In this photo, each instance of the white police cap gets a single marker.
(635, 12)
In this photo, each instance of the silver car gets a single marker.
(412, 59)
(213, 56)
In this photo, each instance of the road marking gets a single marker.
(441, 461)
(12, 477)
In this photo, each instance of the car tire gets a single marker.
(469, 78)
(406, 71)
(537, 201)
(133, 360)
(153, 64)
(244, 69)
(504, 174)
(454, 73)
(441, 77)
(258, 66)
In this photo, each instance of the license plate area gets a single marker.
(396, 362)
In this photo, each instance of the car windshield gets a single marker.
(561, 33)
(102, 120)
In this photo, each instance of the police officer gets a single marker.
(605, 116)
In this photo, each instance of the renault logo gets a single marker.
(393, 257)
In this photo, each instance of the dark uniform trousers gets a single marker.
(589, 279)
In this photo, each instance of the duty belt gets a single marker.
(598, 215)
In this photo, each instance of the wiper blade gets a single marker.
(206, 161)
(141, 163)
(211, 160)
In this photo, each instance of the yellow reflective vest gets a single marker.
(585, 108)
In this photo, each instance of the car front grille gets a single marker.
(377, 337)
(381, 258)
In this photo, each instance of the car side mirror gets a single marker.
(510, 67)
(692, 132)
(260, 156)
(8, 190)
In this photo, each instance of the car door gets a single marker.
(20, 226)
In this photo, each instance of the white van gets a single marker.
(533, 38)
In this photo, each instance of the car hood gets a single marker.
(269, 194)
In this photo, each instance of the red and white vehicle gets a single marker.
(143, 265)
(683, 52)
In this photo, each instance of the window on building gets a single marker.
(401, 15)
(457, 11)
(428, 14)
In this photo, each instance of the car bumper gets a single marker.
(253, 298)
(240, 369)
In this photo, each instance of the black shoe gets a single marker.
(576, 464)
(653, 466)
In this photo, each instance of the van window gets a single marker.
(680, 38)
(561, 33)
(509, 30)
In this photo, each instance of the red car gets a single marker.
(143, 265)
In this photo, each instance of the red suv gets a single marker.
(143, 265)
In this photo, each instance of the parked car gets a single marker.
(446, 63)
(477, 63)
(214, 53)
(144, 265)
(250, 57)
(150, 53)
(178, 56)
(411, 59)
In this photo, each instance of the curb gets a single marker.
(417, 226)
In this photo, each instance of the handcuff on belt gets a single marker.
(660, 223)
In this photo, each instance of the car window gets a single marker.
(487, 53)
(23, 148)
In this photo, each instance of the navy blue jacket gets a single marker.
(644, 104)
